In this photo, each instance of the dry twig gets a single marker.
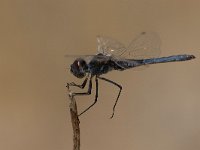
(75, 121)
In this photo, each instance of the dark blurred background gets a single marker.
(159, 108)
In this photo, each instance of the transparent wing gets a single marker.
(109, 46)
(145, 45)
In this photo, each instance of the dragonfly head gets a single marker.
(78, 68)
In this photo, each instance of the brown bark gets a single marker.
(75, 121)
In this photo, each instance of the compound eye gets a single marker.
(77, 68)
(81, 63)
(76, 63)
(74, 66)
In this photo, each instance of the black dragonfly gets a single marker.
(113, 55)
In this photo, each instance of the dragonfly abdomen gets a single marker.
(126, 64)
(131, 63)
(168, 59)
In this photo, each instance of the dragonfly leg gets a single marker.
(77, 85)
(120, 89)
(96, 97)
(89, 89)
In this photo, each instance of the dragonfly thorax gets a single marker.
(78, 68)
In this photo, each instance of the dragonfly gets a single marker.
(111, 55)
